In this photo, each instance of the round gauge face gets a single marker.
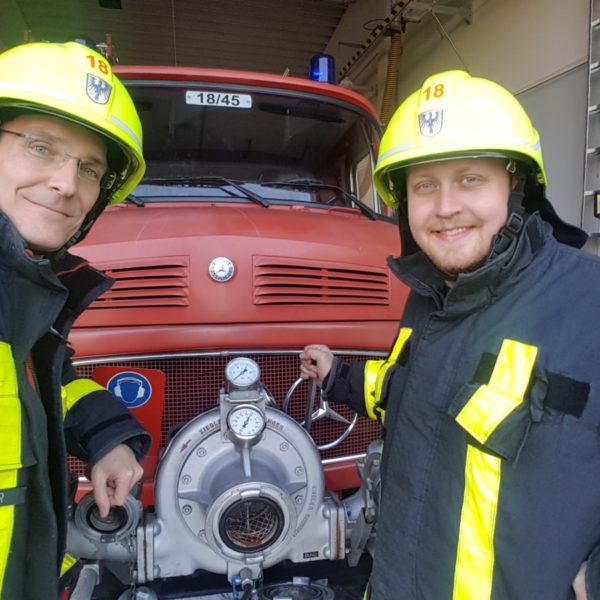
(246, 421)
(242, 372)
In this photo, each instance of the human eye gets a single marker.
(424, 186)
(40, 148)
(471, 179)
(89, 171)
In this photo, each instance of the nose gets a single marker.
(64, 176)
(448, 203)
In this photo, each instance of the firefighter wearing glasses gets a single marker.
(490, 398)
(70, 143)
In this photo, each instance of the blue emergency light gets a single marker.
(322, 68)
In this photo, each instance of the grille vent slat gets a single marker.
(296, 281)
(323, 281)
(154, 282)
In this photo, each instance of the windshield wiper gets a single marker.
(209, 181)
(316, 184)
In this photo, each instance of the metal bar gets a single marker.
(225, 353)
(310, 407)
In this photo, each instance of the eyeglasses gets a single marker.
(44, 154)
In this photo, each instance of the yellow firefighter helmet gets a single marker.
(454, 115)
(73, 82)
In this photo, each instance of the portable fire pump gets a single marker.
(239, 488)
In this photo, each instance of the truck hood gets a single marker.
(161, 255)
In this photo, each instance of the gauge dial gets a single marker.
(246, 421)
(242, 372)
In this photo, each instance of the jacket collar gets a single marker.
(70, 274)
(16, 256)
(472, 290)
(14, 249)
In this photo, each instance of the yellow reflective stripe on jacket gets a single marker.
(375, 371)
(492, 403)
(8, 479)
(372, 368)
(475, 555)
(75, 391)
(67, 563)
(10, 447)
(485, 410)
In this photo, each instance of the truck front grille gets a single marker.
(193, 383)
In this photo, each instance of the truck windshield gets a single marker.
(278, 145)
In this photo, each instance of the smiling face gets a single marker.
(47, 201)
(455, 207)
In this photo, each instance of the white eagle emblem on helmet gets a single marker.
(97, 89)
(430, 122)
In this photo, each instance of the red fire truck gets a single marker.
(255, 232)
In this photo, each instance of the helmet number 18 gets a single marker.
(437, 91)
(102, 66)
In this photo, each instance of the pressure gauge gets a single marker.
(242, 372)
(246, 421)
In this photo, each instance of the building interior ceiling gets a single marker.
(273, 36)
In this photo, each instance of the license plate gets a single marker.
(219, 99)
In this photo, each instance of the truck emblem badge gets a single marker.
(430, 122)
(97, 89)
(221, 269)
(131, 388)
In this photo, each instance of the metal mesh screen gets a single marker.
(251, 525)
(193, 384)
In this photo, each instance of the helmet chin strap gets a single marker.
(508, 234)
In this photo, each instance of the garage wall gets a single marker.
(536, 48)
(557, 108)
(367, 76)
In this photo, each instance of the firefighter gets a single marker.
(490, 398)
(70, 143)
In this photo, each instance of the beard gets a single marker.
(455, 268)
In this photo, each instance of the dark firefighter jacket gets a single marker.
(45, 412)
(490, 404)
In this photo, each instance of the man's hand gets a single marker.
(315, 362)
(579, 583)
(113, 476)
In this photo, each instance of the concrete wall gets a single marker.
(538, 49)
